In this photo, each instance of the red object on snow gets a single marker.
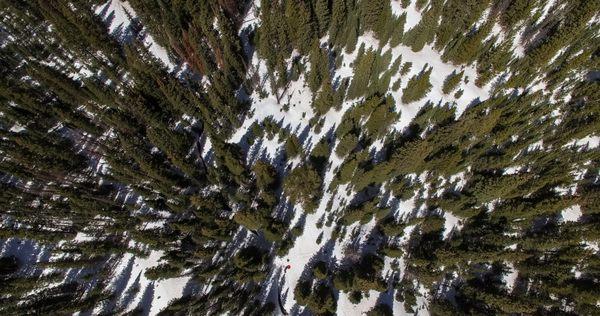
(288, 267)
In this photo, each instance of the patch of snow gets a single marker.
(571, 214)
(512, 247)
(482, 19)
(155, 224)
(405, 208)
(566, 190)
(451, 222)
(576, 272)
(538, 85)
(544, 11)
(422, 306)
(460, 179)
(17, 128)
(153, 296)
(121, 12)
(592, 245)
(517, 47)
(252, 18)
(431, 58)
(511, 277)
(536, 146)
(83, 237)
(587, 143)
(102, 166)
(497, 31)
(413, 17)
(264, 147)
(512, 170)
(297, 96)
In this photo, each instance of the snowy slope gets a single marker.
(118, 14)
(298, 96)
(291, 108)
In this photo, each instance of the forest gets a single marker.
(300, 157)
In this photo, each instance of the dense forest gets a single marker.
(314, 157)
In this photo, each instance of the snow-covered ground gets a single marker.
(451, 222)
(294, 110)
(589, 142)
(135, 290)
(510, 277)
(571, 214)
(118, 13)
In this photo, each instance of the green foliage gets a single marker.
(323, 12)
(424, 32)
(417, 87)
(364, 212)
(320, 270)
(300, 20)
(390, 227)
(405, 68)
(377, 16)
(364, 277)
(8, 265)
(574, 21)
(319, 68)
(458, 93)
(325, 98)
(292, 146)
(346, 144)
(452, 81)
(457, 17)
(265, 173)
(303, 186)
(319, 299)
(250, 263)
(515, 12)
(97, 136)
(466, 49)
(397, 30)
(392, 251)
(162, 271)
(320, 155)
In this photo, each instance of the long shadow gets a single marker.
(146, 300)
(131, 293)
(121, 284)
(28, 253)
(285, 209)
(365, 195)
(324, 254)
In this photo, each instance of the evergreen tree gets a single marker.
(452, 81)
(323, 12)
(417, 87)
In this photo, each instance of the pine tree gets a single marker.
(301, 24)
(397, 30)
(515, 12)
(452, 81)
(417, 87)
(302, 185)
(323, 12)
(466, 49)
(319, 67)
(424, 32)
(338, 19)
(373, 15)
(325, 98)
